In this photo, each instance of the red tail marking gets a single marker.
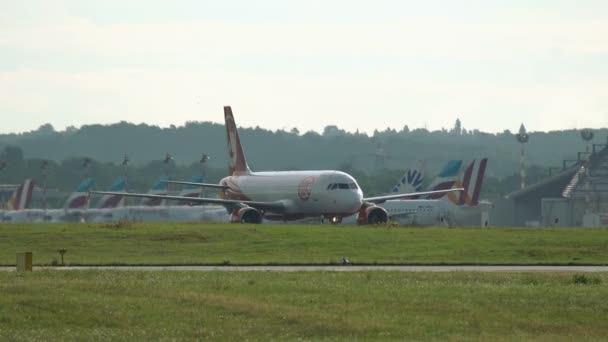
(237, 164)
(480, 173)
(465, 183)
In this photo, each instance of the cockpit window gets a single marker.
(334, 186)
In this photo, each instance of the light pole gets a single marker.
(204, 159)
(587, 136)
(167, 161)
(125, 163)
(522, 137)
(85, 165)
(43, 169)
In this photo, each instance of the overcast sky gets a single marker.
(305, 63)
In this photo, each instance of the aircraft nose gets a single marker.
(357, 199)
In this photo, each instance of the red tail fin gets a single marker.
(480, 173)
(466, 180)
(23, 197)
(237, 164)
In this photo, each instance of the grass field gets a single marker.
(122, 305)
(165, 243)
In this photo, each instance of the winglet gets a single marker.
(237, 164)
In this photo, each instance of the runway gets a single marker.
(332, 268)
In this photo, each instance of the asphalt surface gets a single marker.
(346, 268)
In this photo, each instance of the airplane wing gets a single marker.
(274, 206)
(204, 185)
(381, 199)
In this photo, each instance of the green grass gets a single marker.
(124, 305)
(165, 243)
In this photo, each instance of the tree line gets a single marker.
(377, 160)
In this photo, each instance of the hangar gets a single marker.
(577, 195)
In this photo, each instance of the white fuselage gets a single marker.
(302, 193)
(211, 213)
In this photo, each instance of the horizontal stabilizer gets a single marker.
(381, 199)
(275, 206)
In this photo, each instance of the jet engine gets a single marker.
(372, 215)
(246, 215)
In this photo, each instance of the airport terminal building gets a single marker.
(576, 195)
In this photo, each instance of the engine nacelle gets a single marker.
(372, 215)
(246, 215)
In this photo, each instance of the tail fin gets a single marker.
(466, 182)
(479, 181)
(160, 188)
(411, 181)
(237, 164)
(446, 178)
(79, 199)
(22, 197)
(472, 181)
(114, 201)
(191, 190)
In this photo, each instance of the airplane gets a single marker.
(251, 197)
(447, 209)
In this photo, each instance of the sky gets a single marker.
(305, 63)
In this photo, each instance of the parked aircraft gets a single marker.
(251, 197)
(447, 209)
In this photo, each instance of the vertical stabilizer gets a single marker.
(191, 190)
(114, 201)
(479, 181)
(466, 183)
(22, 197)
(237, 164)
(446, 178)
(79, 198)
(411, 181)
(160, 188)
(472, 180)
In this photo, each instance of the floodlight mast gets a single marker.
(125, 164)
(204, 159)
(3, 165)
(522, 137)
(44, 170)
(85, 165)
(587, 136)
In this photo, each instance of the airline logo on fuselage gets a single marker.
(305, 188)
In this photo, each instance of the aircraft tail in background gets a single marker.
(411, 181)
(80, 198)
(472, 182)
(114, 201)
(22, 197)
(191, 190)
(160, 188)
(446, 179)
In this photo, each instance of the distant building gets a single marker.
(575, 196)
